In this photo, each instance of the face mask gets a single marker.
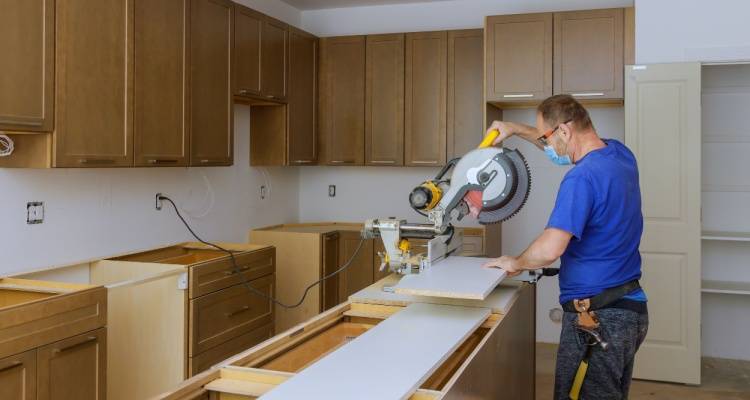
(556, 158)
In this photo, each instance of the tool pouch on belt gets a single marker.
(586, 318)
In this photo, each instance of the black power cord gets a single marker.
(246, 282)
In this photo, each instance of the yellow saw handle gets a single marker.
(489, 139)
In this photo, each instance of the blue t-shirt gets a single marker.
(599, 203)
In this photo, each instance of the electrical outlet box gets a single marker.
(331, 190)
(159, 204)
(34, 212)
(263, 192)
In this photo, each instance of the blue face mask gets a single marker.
(556, 158)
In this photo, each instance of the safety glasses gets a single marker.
(543, 140)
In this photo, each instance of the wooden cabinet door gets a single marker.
(211, 106)
(274, 50)
(518, 59)
(384, 100)
(330, 295)
(588, 54)
(94, 101)
(465, 110)
(342, 100)
(426, 90)
(302, 98)
(74, 368)
(18, 377)
(27, 34)
(248, 27)
(160, 136)
(359, 274)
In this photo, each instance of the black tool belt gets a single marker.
(605, 298)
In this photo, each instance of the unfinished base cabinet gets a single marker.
(18, 376)
(52, 340)
(495, 360)
(74, 368)
(173, 312)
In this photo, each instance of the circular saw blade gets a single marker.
(522, 175)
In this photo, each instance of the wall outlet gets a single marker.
(34, 212)
(262, 192)
(159, 202)
(331, 190)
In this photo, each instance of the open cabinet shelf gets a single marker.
(725, 287)
(728, 236)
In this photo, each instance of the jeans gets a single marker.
(609, 372)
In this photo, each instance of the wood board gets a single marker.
(499, 300)
(402, 351)
(454, 277)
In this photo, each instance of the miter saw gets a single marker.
(494, 181)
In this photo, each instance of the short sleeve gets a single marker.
(573, 206)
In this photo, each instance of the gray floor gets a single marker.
(722, 379)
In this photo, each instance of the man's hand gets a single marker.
(505, 129)
(511, 265)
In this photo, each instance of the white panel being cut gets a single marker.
(391, 360)
(453, 277)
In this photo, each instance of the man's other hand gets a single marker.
(510, 264)
(505, 129)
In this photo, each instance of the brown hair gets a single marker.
(560, 108)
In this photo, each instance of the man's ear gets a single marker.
(566, 132)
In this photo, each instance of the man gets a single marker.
(595, 230)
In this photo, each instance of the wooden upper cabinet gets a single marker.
(425, 104)
(384, 100)
(302, 98)
(274, 56)
(211, 107)
(518, 57)
(27, 32)
(248, 27)
(588, 60)
(18, 377)
(342, 100)
(465, 97)
(94, 126)
(74, 368)
(160, 134)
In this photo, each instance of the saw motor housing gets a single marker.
(500, 174)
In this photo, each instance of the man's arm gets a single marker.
(543, 251)
(508, 129)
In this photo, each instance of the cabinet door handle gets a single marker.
(93, 161)
(11, 366)
(237, 271)
(270, 96)
(517, 96)
(235, 312)
(88, 340)
(592, 94)
(424, 162)
(302, 161)
(382, 162)
(342, 161)
(244, 91)
(161, 161)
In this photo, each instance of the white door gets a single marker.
(662, 128)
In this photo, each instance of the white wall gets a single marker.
(455, 14)
(100, 212)
(691, 30)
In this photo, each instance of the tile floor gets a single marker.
(722, 379)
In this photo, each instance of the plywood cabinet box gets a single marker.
(496, 360)
(307, 252)
(176, 311)
(52, 340)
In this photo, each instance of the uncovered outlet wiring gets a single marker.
(246, 282)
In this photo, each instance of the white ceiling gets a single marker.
(323, 4)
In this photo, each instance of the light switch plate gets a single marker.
(34, 212)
